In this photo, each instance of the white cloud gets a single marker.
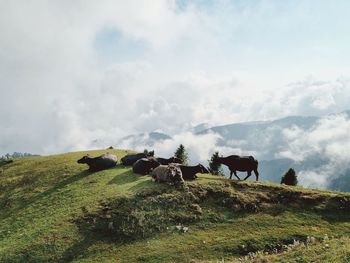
(58, 93)
(327, 142)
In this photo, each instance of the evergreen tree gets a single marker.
(214, 166)
(289, 178)
(182, 154)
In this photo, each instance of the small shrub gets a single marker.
(289, 178)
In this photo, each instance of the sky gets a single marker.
(72, 72)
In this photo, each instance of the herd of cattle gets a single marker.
(170, 170)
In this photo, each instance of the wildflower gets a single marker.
(325, 238)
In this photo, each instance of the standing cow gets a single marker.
(240, 163)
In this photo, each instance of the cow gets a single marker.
(170, 174)
(165, 161)
(189, 172)
(145, 165)
(130, 159)
(4, 161)
(240, 163)
(102, 162)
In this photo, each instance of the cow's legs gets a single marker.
(249, 173)
(256, 174)
(235, 173)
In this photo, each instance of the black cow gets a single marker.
(102, 162)
(240, 163)
(4, 162)
(145, 165)
(189, 172)
(164, 161)
(130, 159)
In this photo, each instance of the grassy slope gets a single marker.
(41, 198)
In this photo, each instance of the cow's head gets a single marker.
(176, 175)
(84, 159)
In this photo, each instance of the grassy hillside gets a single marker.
(53, 210)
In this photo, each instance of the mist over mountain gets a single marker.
(145, 139)
(316, 147)
(265, 138)
(200, 127)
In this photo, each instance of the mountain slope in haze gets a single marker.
(264, 138)
(200, 127)
(144, 139)
(270, 143)
(244, 130)
(53, 210)
(273, 170)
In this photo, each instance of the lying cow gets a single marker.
(130, 159)
(4, 162)
(165, 161)
(145, 165)
(189, 172)
(102, 162)
(240, 163)
(170, 174)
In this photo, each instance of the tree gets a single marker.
(182, 154)
(214, 166)
(289, 178)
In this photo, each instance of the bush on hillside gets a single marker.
(289, 178)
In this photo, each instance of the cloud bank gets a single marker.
(325, 147)
(75, 72)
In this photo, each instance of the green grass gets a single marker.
(53, 210)
(334, 250)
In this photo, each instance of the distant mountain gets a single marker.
(265, 138)
(341, 182)
(200, 127)
(17, 155)
(144, 139)
(273, 170)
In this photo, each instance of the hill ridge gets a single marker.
(52, 209)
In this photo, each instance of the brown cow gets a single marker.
(240, 163)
